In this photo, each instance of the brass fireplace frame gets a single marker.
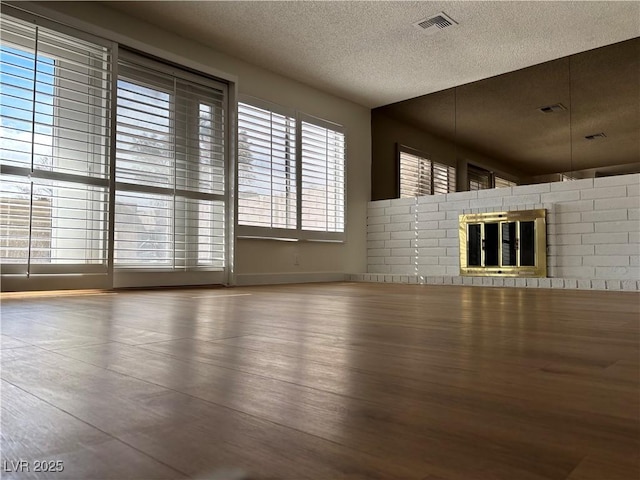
(537, 218)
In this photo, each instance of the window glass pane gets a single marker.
(491, 244)
(267, 194)
(527, 243)
(509, 243)
(322, 158)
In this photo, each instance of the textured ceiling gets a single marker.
(370, 53)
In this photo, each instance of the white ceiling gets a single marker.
(369, 52)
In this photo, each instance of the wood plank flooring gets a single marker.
(322, 381)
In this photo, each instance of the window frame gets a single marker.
(298, 233)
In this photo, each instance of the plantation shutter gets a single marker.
(267, 187)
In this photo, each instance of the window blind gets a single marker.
(54, 149)
(420, 176)
(170, 169)
(500, 182)
(267, 186)
(479, 178)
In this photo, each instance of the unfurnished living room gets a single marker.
(320, 240)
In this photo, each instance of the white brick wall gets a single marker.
(593, 234)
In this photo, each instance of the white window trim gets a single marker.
(298, 233)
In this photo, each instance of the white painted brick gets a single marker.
(456, 196)
(567, 261)
(397, 244)
(620, 226)
(498, 282)
(520, 200)
(575, 272)
(427, 242)
(428, 207)
(467, 280)
(373, 261)
(544, 283)
(566, 239)
(630, 285)
(378, 220)
(606, 260)
(487, 281)
(556, 218)
(453, 252)
(457, 280)
(449, 224)
(452, 215)
(605, 238)
(605, 192)
(402, 218)
(427, 225)
(633, 190)
(375, 244)
(528, 189)
(572, 228)
(495, 192)
(604, 215)
(378, 236)
(634, 237)
(397, 227)
(620, 273)
(432, 252)
(532, 282)
(521, 282)
(579, 206)
(402, 252)
(448, 242)
(378, 252)
(405, 235)
(452, 261)
(459, 205)
(491, 202)
(613, 285)
(426, 199)
(557, 197)
(379, 204)
(453, 270)
(633, 213)
(397, 260)
(413, 279)
(429, 270)
(398, 210)
(375, 228)
(570, 283)
(584, 284)
(634, 260)
(425, 260)
(401, 269)
(398, 202)
(617, 203)
(453, 233)
(431, 234)
(509, 282)
(631, 179)
(431, 216)
(566, 250)
(598, 284)
(572, 185)
(618, 249)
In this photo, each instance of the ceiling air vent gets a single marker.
(556, 107)
(436, 22)
(595, 136)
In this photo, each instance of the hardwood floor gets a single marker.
(323, 381)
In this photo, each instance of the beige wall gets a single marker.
(255, 256)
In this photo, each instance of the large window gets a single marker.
(54, 134)
(107, 175)
(170, 168)
(291, 174)
(421, 176)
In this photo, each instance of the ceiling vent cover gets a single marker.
(595, 136)
(557, 107)
(435, 23)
